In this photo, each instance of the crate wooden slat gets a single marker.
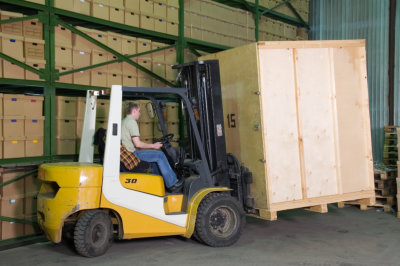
(301, 122)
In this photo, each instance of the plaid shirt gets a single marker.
(129, 159)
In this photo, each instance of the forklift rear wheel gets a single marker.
(93, 233)
(220, 220)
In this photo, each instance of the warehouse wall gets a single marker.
(361, 19)
(397, 68)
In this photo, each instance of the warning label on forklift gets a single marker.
(219, 130)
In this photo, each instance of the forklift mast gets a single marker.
(203, 83)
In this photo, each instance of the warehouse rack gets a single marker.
(50, 17)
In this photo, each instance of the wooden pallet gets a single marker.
(385, 202)
(390, 148)
(385, 174)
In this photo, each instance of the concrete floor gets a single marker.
(341, 237)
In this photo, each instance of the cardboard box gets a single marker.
(14, 28)
(66, 128)
(170, 56)
(13, 147)
(64, 4)
(34, 49)
(37, 64)
(82, 77)
(114, 79)
(65, 146)
(172, 28)
(132, 5)
(128, 45)
(173, 128)
(13, 71)
(13, 126)
(146, 21)
(13, 190)
(174, 3)
(146, 6)
(100, 36)
(63, 54)
(159, 69)
(99, 77)
(11, 230)
(63, 36)
(82, 43)
(143, 45)
(34, 126)
(170, 74)
(172, 14)
(114, 68)
(12, 45)
(80, 107)
(34, 146)
(144, 82)
(81, 57)
(172, 111)
(33, 105)
(132, 18)
(146, 128)
(33, 29)
(82, 7)
(31, 229)
(129, 80)
(65, 78)
(160, 10)
(160, 25)
(103, 107)
(144, 63)
(100, 9)
(128, 69)
(115, 41)
(13, 104)
(117, 14)
(42, 2)
(99, 57)
(65, 107)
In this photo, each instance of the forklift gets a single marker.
(95, 203)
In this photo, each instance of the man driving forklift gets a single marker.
(130, 138)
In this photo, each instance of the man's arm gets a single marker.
(140, 144)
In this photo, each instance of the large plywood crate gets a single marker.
(297, 115)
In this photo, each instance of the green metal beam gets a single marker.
(194, 51)
(16, 220)
(113, 61)
(26, 4)
(12, 20)
(297, 14)
(18, 178)
(206, 46)
(21, 64)
(117, 54)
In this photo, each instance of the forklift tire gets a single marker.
(93, 233)
(219, 220)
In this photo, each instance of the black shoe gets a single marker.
(176, 187)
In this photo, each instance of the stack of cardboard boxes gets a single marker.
(159, 15)
(22, 125)
(18, 201)
(22, 41)
(66, 117)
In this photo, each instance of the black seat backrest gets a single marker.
(100, 142)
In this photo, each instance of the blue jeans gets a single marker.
(161, 161)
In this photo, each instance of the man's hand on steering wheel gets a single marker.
(164, 139)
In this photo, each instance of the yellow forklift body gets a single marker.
(66, 189)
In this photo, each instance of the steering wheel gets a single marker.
(164, 139)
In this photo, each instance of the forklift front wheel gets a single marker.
(219, 221)
(93, 233)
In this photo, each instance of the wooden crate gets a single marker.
(297, 116)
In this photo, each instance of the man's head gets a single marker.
(133, 109)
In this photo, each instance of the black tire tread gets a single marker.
(79, 233)
(201, 233)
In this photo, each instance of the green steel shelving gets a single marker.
(51, 17)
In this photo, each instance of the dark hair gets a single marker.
(130, 106)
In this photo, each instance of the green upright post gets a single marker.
(256, 15)
(180, 45)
